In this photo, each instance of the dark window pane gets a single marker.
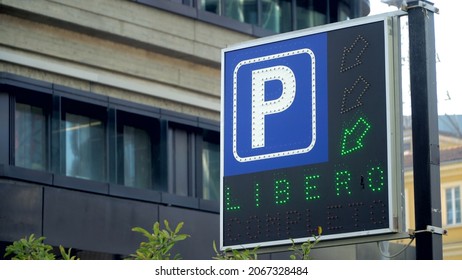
(30, 137)
(276, 15)
(457, 205)
(184, 2)
(310, 13)
(212, 6)
(137, 157)
(211, 171)
(449, 207)
(180, 161)
(243, 11)
(343, 11)
(85, 147)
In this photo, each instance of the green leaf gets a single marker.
(179, 227)
(142, 231)
(167, 226)
(66, 255)
(303, 251)
(214, 247)
(160, 242)
(156, 228)
(181, 237)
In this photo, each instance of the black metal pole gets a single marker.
(427, 196)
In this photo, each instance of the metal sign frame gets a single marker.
(395, 226)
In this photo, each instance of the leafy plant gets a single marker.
(229, 254)
(303, 251)
(30, 248)
(160, 242)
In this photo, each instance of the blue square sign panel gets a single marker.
(276, 105)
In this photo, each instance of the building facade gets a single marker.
(110, 112)
(450, 140)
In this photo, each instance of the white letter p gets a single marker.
(261, 107)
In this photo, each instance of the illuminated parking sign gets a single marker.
(280, 80)
(278, 99)
(309, 136)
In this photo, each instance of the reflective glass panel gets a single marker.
(137, 157)
(85, 147)
(211, 171)
(30, 144)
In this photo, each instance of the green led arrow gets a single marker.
(352, 139)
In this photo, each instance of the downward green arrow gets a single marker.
(352, 139)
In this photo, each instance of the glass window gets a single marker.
(212, 6)
(276, 15)
(242, 10)
(343, 11)
(210, 170)
(453, 207)
(138, 151)
(271, 15)
(184, 2)
(181, 161)
(286, 18)
(30, 146)
(194, 164)
(84, 146)
(310, 13)
(136, 157)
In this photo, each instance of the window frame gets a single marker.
(457, 220)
